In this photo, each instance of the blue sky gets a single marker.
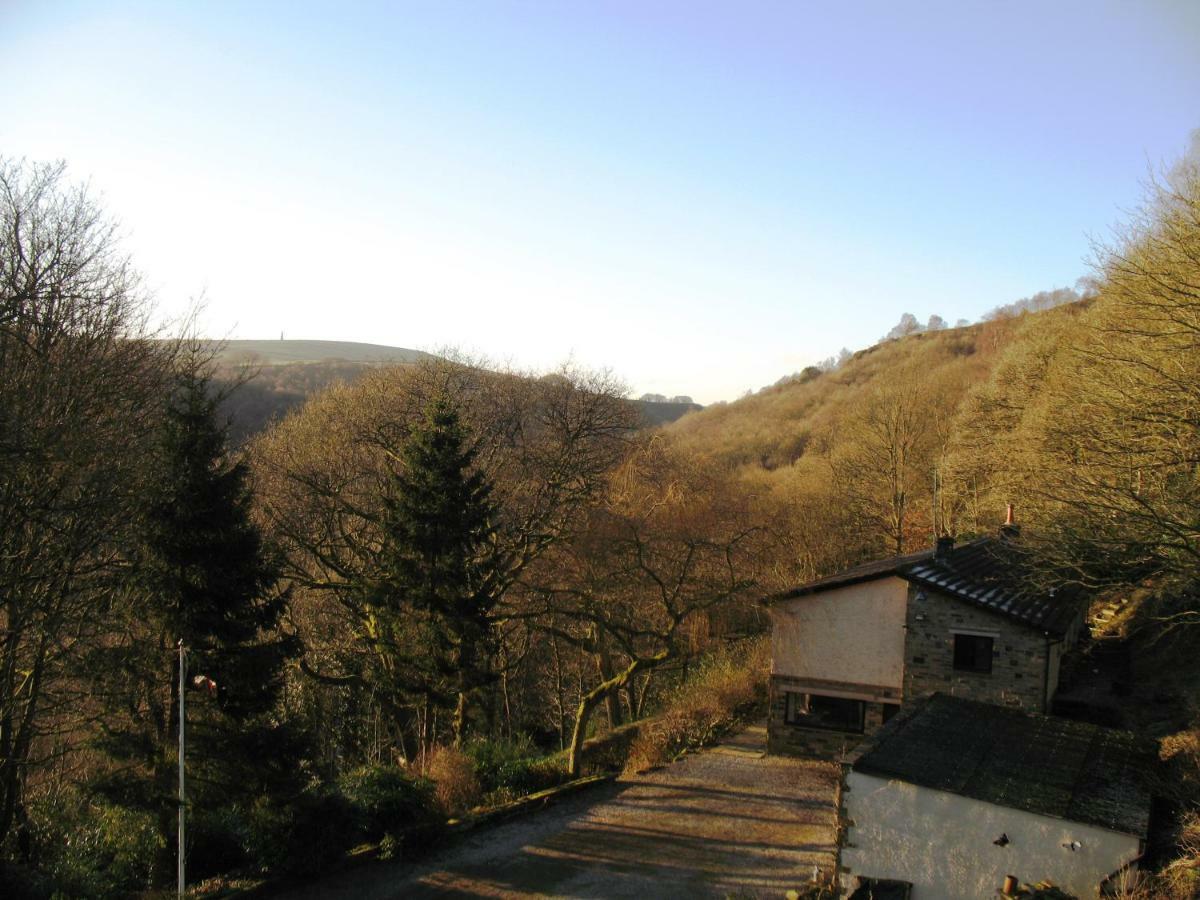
(702, 197)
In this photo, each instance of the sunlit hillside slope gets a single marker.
(856, 451)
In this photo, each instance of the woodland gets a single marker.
(441, 586)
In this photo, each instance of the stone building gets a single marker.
(970, 621)
(954, 799)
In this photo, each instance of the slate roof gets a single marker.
(992, 572)
(1040, 764)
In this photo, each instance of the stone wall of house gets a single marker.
(795, 740)
(1018, 654)
(1017, 678)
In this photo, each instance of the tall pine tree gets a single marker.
(203, 575)
(429, 613)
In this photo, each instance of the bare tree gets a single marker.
(907, 325)
(78, 395)
(544, 444)
(1118, 432)
(669, 552)
(884, 460)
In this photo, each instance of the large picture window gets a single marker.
(829, 713)
(973, 653)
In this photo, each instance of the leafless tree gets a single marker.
(669, 552)
(78, 394)
(545, 445)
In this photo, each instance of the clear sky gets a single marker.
(701, 196)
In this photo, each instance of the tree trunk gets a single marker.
(604, 668)
(426, 740)
(507, 704)
(589, 701)
(460, 718)
(560, 705)
(640, 707)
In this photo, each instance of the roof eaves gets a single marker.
(1032, 616)
(807, 590)
(869, 571)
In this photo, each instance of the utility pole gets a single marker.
(182, 795)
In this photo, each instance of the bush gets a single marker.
(508, 769)
(532, 775)
(19, 882)
(608, 751)
(97, 850)
(1181, 753)
(453, 773)
(389, 799)
(495, 759)
(218, 842)
(307, 835)
(728, 686)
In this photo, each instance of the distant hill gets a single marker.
(657, 412)
(284, 352)
(284, 374)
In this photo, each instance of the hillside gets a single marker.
(283, 375)
(779, 425)
(855, 451)
(272, 353)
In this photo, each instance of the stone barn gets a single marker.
(954, 796)
(973, 620)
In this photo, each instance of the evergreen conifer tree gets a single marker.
(431, 609)
(203, 575)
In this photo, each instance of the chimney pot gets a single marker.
(1010, 529)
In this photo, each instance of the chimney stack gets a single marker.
(944, 545)
(1010, 528)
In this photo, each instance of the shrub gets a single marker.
(508, 769)
(608, 751)
(453, 773)
(1181, 753)
(389, 847)
(727, 687)
(389, 799)
(306, 835)
(18, 882)
(218, 842)
(99, 850)
(495, 759)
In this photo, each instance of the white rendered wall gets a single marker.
(853, 634)
(942, 843)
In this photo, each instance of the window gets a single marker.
(973, 653)
(830, 713)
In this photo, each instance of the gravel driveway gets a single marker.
(728, 820)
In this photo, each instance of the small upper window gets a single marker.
(973, 653)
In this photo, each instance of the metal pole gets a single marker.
(182, 795)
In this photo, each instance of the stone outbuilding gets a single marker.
(955, 796)
(974, 620)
